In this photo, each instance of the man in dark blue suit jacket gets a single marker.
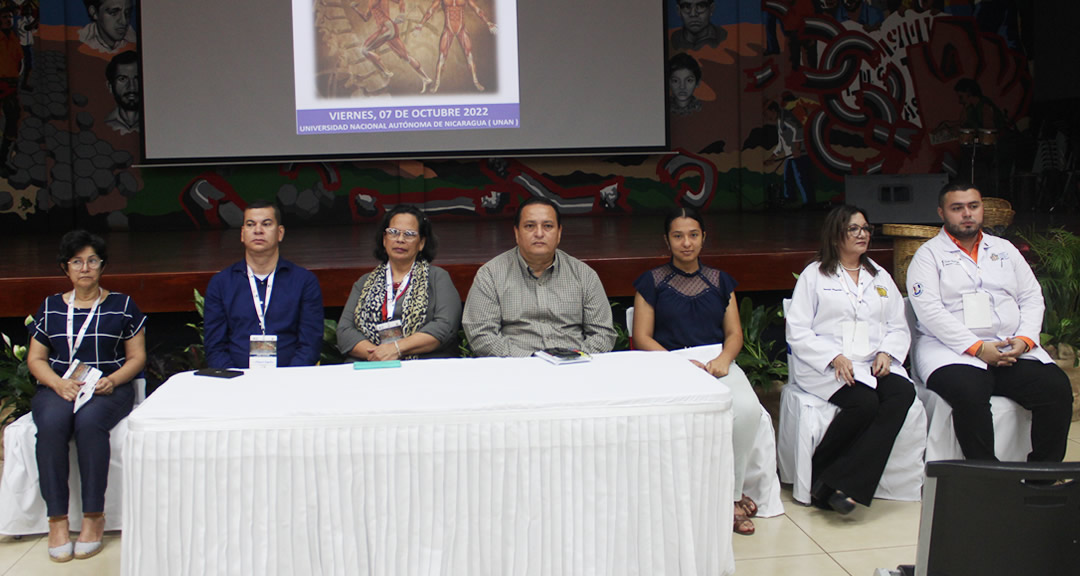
(263, 295)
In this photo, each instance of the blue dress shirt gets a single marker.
(295, 316)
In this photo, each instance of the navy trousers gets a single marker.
(90, 428)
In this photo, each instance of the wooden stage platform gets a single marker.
(160, 270)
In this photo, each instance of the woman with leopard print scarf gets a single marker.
(405, 308)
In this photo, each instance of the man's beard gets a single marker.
(129, 101)
(960, 233)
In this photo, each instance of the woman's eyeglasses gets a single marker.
(409, 234)
(77, 264)
(853, 231)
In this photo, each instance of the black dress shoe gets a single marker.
(839, 502)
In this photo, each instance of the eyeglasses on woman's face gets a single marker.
(409, 235)
(79, 263)
(855, 231)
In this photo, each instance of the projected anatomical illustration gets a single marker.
(405, 65)
(371, 48)
(454, 12)
(387, 34)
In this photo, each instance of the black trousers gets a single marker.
(852, 455)
(1042, 388)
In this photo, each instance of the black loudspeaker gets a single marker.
(896, 198)
(982, 518)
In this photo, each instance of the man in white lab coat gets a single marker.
(980, 312)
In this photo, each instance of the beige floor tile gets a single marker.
(1074, 431)
(1072, 451)
(816, 565)
(12, 550)
(865, 562)
(37, 563)
(774, 537)
(886, 524)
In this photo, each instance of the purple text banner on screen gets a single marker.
(407, 118)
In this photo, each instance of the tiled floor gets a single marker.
(805, 541)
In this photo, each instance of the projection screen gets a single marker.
(250, 80)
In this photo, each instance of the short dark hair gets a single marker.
(833, 234)
(266, 204)
(682, 212)
(684, 61)
(95, 4)
(121, 59)
(75, 241)
(431, 243)
(955, 186)
(968, 86)
(537, 200)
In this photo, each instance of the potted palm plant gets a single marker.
(1055, 258)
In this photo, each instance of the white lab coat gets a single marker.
(940, 274)
(819, 306)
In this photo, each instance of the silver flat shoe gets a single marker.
(62, 553)
(84, 550)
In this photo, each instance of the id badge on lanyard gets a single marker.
(262, 347)
(392, 297)
(855, 333)
(978, 312)
(74, 342)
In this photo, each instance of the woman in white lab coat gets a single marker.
(848, 338)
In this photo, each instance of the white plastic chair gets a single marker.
(804, 418)
(761, 483)
(22, 509)
(1012, 422)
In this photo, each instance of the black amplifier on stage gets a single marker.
(896, 198)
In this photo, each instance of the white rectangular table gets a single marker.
(480, 466)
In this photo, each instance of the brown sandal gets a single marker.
(743, 525)
(749, 507)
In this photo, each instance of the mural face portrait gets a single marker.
(125, 87)
(682, 84)
(111, 18)
(696, 14)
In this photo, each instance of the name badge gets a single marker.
(977, 310)
(390, 331)
(263, 351)
(856, 339)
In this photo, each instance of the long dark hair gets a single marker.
(833, 234)
(431, 244)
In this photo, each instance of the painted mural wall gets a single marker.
(772, 103)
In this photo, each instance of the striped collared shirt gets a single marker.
(510, 312)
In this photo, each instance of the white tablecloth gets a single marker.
(486, 466)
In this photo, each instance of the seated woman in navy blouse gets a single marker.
(683, 304)
(104, 330)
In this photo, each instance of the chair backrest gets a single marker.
(787, 305)
(913, 328)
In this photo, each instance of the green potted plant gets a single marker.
(17, 386)
(1055, 259)
(759, 358)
